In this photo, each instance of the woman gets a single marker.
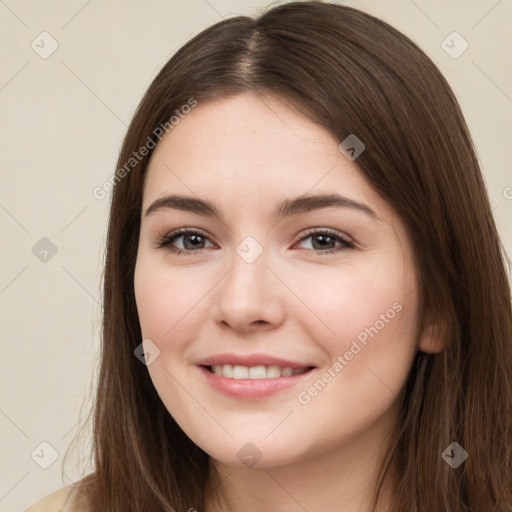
(305, 303)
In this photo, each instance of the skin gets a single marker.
(246, 154)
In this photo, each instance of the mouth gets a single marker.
(253, 382)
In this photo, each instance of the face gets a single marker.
(264, 280)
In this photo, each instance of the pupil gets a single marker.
(194, 245)
(321, 237)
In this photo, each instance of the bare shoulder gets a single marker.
(61, 500)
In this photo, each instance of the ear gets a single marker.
(431, 338)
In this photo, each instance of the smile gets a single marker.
(252, 382)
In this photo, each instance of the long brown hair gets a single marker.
(353, 74)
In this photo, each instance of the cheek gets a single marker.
(369, 359)
(166, 301)
(371, 323)
(155, 305)
(352, 303)
(167, 306)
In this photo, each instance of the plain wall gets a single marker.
(62, 122)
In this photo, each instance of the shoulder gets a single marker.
(60, 500)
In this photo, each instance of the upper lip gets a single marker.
(252, 360)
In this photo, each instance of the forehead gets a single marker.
(252, 146)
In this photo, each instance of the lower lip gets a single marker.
(251, 388)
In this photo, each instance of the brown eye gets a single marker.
(324, 241)
(191, 240)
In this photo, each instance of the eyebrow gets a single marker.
(286, 208)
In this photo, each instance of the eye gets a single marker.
(324, 241)
(192, 240)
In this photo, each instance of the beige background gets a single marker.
(62, 121)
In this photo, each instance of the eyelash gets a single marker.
(171, 237)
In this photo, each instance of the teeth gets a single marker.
(240, 372)
(273, 372)
(255, 372)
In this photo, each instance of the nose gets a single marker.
(250, 297)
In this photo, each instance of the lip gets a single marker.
(247, 389)
(252, 360)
